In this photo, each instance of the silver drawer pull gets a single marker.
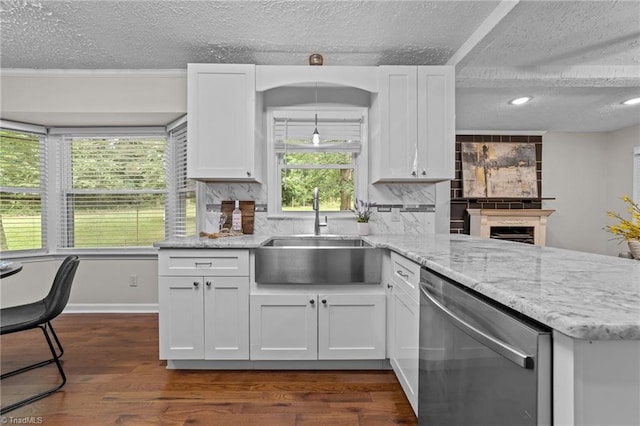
(402, 274)
(204, 264)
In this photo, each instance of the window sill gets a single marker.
(105, 253)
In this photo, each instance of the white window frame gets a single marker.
(360, 162)
(58, 134)
(178, 186)
(43, 189)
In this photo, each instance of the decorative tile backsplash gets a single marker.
(402, 209)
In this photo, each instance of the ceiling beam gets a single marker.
(573, 76)
(485, 28)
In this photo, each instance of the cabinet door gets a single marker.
(396, 153)
(406, 340)
(226, 317)
(351, 326)
(182, 318)
(222, 117)
(436, 122)
(284, 327)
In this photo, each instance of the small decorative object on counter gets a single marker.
(363, 228)
(634, 248)
(362, 210)
(236, 218)
(628, 229)
(212, 225)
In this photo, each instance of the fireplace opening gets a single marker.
(521, 234)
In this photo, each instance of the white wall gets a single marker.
(100, 283)
(93, 98)
(586, 173)
(619, 176)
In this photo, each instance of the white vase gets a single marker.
(363, 228)
(634, 248)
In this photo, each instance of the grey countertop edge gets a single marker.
(562, 316)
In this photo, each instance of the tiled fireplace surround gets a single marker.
(459, 205)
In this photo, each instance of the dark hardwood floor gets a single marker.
(115, 377)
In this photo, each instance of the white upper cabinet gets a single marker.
(415, 107)
(221, 107)
(397, 99)
(436, 123)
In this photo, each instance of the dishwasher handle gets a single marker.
(500, 347)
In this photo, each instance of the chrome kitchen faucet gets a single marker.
(316, 208)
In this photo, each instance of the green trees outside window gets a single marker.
(22, 186)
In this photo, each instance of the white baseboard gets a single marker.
(111, 308)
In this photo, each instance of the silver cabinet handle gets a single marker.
(402, 274)
(498, 346)
(202, 264)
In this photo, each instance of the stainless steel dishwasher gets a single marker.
(480, 364)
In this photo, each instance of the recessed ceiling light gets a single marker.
(520, 101)
(632, 101)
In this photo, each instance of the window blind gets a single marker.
(338, 131)
(181, 202)
(23, 183)
(113, 191)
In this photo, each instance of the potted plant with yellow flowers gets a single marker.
(628, 229)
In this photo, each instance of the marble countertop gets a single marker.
(581, 295)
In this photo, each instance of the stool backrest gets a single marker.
(58, 297)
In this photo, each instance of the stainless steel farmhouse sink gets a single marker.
(317, 260)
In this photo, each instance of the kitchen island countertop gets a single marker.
(582, 295)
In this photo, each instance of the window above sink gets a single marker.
(337, 165)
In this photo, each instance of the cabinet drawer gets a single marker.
(405, 274)
(224, 263)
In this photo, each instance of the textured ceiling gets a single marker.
(170, 34)
(578, 59)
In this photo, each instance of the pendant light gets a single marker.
(315, 138)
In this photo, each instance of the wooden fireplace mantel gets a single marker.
(482, 220)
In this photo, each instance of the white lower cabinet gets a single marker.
(351, 326)
(204, 318)
(317, 326)
(181, 319)
(401, 277)
(283, 327)
(406, 320)
(204, 304)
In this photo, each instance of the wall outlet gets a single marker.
(133, 280)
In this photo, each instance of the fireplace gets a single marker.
(525, 226)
